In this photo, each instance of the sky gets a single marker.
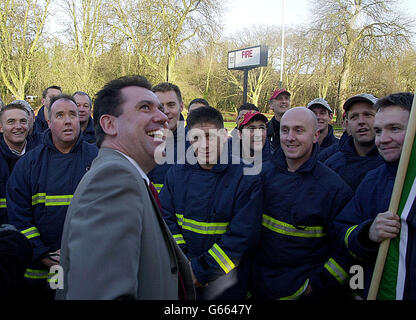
(242, 13)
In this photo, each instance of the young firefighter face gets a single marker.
(207, 143)
(253, 135)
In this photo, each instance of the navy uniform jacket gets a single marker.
(15, 257)
(41, 124)
(39, 191)
(215, 217)
(353, 223)
(329, 140)
(351, 166)
(273, 134)
(296, 247)
(332, 149)
(7, 162)
(89, 133)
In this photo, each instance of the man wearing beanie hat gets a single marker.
(279, 104)
(358, 154)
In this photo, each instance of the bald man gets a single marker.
(296, 258)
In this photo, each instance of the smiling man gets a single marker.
(358, 154)
(323, 114)
(255, 147)
(41, 186)
(365, 222)
(170, 98)
(13, 144)
(115, 243)
(213, 210)
(279, 103)
(297, 257)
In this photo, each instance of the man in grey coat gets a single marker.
(115, 243)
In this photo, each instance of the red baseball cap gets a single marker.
(278, 92)
(251, 115)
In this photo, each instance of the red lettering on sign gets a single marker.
(247, 54)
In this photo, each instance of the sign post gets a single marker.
(247, 59)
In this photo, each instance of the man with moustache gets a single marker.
(358, 155)
(41, 187)
(297, 257)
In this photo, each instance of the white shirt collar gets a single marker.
(19, 153)
(136, 165)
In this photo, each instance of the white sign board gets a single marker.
(248, 58)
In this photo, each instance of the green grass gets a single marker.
(229, 125)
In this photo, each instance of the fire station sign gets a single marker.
(248, 58)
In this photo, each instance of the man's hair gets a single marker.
(82, 93)
(12, 106)
(199, 100)
(206, 114)
(45, 92)
(247, 106)
(109, 99)
(59, 97)
(401, 99)
(167, 86)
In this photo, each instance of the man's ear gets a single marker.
(316, 136)
(108, 124)
(181, 107)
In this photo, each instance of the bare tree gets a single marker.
(87, 30)
(21, 26)
(359, 27)
(159, 29)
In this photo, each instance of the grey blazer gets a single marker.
(115, 243)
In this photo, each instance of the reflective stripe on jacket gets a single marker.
(40, 189)
(297, 246)
(214, 215)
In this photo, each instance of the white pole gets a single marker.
(283, 43)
